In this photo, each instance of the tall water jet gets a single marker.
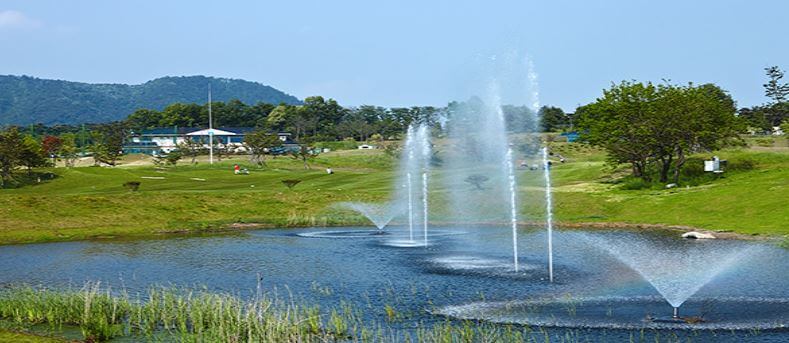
(410, 208)
(424, 140)
(413, 178)
(513, 206)
(424, 205)
(546, 165)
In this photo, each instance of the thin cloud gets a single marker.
(11, 19)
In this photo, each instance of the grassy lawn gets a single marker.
(91, 202)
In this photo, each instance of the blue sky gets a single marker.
(398, 53)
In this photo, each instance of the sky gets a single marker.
(401, 53)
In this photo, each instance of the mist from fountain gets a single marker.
(413, 182)
(676, 271)
(379, 215)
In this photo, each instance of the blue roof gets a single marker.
(170, 131)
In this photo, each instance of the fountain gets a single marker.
(676, 271)
(379, 215)
(481, 165)
(414, 183)
(546, 166)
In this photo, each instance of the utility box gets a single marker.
(714, 165)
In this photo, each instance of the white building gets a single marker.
(164, 140)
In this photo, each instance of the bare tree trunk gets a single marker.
(665, 167)
(680, 162)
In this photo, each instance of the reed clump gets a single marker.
(188, 315)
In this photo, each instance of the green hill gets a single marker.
(28, 100)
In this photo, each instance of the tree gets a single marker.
(190, 148)
(51, 146)
(519, 118)
(259, 144)
(31, 155)
(692, 119)
(641, 123)
(552, 119)
(777, 110)
(108, 143)
(68, 150)
(477, 180)
(357, 123)
(619, 123)
(755, 118)
(173, 157)
(774, 89)
(304, 153)
(10, 157)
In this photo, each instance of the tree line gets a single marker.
(652, 127)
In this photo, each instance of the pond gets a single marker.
(609, 285)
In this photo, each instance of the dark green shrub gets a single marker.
(634, 183)
(290, 183)
(132, 185)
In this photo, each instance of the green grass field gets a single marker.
(91, 202)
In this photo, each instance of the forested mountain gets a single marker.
(27, 100)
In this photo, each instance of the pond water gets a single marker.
(462, 273)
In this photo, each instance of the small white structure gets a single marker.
(367, 147)
(713, 166)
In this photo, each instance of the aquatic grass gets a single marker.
(189, 315)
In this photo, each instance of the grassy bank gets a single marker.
(91, 202)
(96, 314)
(17, 337)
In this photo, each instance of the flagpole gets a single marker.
(210, 129)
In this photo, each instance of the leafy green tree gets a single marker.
(778, 109)
(304, 154)
(356, 124)
(552, 119)
(260, 143)
(692, 119)
(173, 157)
(108, 142)
(68, 149)
(279, 117)
(10, 154)
(519, 118)
(774, 89)
(619, 122)
(31, 155)
(755, 118)
(641, 123)
(319, 113)
(143, 119)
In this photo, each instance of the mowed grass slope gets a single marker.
(91, 202)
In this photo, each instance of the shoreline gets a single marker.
(240, 227)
